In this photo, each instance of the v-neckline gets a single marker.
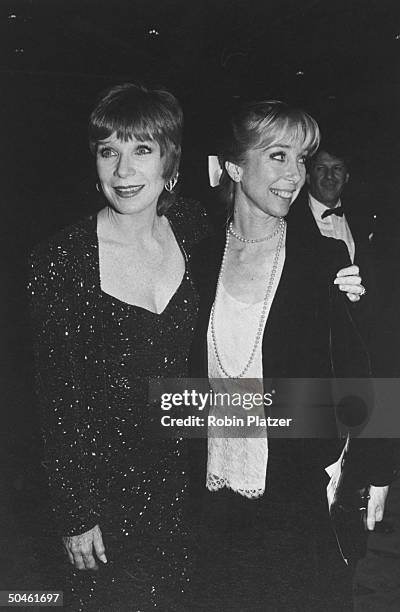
(137, 306)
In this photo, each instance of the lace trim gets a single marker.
(215, 483)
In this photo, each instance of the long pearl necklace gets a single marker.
(281, 228)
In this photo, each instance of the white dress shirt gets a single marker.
(332, 226)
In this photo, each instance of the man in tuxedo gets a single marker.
(320, 207)
(326, 179)
(319, 210)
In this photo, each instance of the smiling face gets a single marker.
(327, 177)
(130, 173)
(269, 179)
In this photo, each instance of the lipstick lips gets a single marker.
(282, 193)
(128, 191)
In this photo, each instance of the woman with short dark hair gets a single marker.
(129, 109)
(112, 299)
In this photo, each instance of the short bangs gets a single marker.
(131, 110)
(284, 125)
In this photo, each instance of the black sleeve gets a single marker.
(191, 221)
(372, 459)
(66, 420)
(366, 311)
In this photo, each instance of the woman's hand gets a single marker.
(349, 281)
(80, 549)
(376, 505)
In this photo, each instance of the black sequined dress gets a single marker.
(95, 355)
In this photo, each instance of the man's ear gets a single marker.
(307, 178)
(234, 171)
(346, 180)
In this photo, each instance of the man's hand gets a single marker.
(80, 549)
(349, 281)
(376, 505)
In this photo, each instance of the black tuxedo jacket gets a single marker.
(300, 213)
(364, 312)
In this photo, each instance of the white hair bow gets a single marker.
(214, 170)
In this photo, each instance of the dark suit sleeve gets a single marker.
(372, 461)
(365, 312)
(372, 458)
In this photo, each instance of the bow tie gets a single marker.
(332, 211)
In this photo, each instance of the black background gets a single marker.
(338, 59)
